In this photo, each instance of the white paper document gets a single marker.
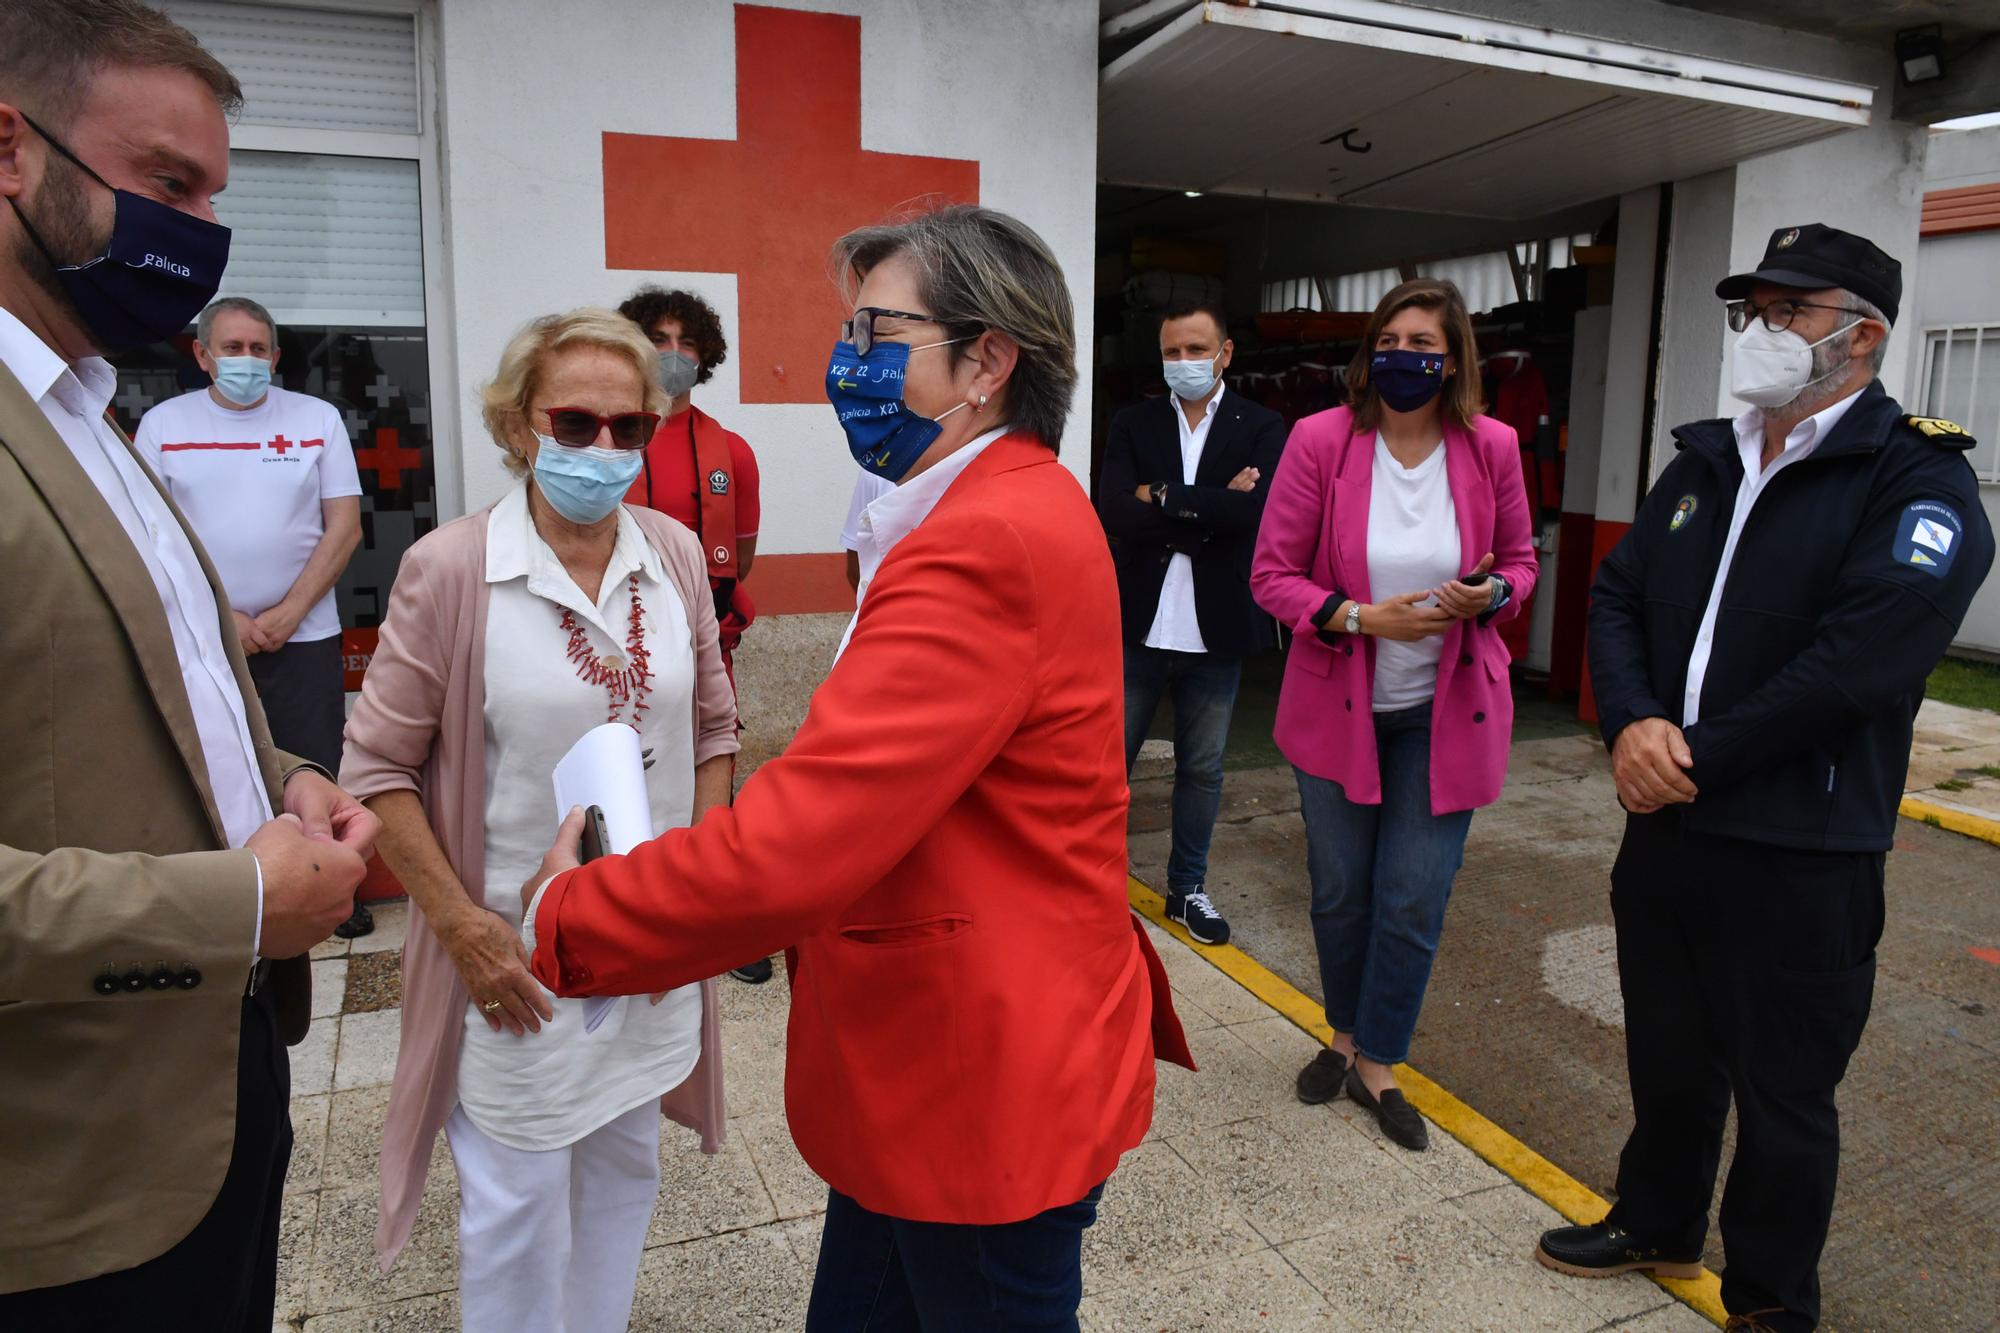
(606, 769)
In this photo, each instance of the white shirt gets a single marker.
(1805, 437)
(74, 400)
(1175, 625)
(888, 519)
(251, 483)
(549, 1089)
(1412, 544)
(868, 488)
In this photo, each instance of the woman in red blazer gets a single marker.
(975, 1010)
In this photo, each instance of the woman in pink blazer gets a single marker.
(1395, 539)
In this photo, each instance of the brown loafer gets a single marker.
(1393, 1112)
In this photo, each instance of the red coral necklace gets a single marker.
(626, 680)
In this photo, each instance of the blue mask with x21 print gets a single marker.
(1406, 380)
(883, 434)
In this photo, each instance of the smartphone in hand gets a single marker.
(596, 839)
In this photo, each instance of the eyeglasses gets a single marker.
(579, 428)
(861, 329)
(1777, 316)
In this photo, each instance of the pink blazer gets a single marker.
(1314, 541)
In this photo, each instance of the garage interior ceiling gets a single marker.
(1456, 115)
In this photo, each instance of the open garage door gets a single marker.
(1391, 106)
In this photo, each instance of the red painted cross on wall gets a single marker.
(387, 458)
(768, 205)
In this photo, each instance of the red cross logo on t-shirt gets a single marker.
(767, 205)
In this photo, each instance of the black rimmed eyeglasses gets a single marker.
(861, 329)
(1777, 316)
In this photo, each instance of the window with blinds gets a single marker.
(325, 240)
(317, 69)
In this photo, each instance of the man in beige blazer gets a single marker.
(153, 913)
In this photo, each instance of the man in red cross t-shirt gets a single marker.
(699, 474)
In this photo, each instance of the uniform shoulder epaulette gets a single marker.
(1944, 434)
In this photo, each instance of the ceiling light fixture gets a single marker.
(1920, 53)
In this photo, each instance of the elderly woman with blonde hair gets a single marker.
(510, 633)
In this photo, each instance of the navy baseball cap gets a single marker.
(1816, 255)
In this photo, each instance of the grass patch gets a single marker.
(1954, 784)
(1969, 684)
(1988, 771)
(1933, 821)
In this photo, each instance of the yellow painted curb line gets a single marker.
(1955, 821)
(1515, 1159)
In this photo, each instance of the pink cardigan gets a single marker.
(1314, 540)
(420, 726)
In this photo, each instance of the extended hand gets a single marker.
(1401, 619)
(328, 814)
(1462, 601)
(494, 964)
(309, 885)
(567, 854)
(1246, 480)
(1647, 762)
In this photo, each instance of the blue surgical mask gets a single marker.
(1190, 380)
(242, 379)
(584, 485)
(883, 434)
(1406, 380)
(159, 269)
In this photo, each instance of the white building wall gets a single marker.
(1958, 282)
(529, 88)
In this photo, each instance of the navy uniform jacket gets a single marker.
(1848, 584)
(1213, 525)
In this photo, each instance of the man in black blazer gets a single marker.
(1181, 492)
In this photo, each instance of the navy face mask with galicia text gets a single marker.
(160, 268)
(883, 434)
(1406, 380)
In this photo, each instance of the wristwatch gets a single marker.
(1158, 490)
(1351, 622)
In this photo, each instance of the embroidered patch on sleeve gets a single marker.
(1927, 537)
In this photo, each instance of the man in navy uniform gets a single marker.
(1759, 643)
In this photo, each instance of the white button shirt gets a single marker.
(1175, 625)
(74, 400)
(1805, 437)
(888, 519)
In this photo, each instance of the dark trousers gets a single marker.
(304, 699)
(880, 1274)
(223, 1276)
(1747, 971)
(1203, 689)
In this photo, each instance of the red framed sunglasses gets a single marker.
(579, 428)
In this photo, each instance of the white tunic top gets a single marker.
(549, 1089)
(1412, 544)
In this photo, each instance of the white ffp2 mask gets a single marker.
(1768, 369)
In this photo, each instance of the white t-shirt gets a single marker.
(250, 483)
(549, 1089)
(1412, 544)
(1175, 625)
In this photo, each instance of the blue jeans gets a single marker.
(1381, 875)
(885, 1275)
(1203, 688)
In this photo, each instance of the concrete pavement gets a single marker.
(1242, 1210)
(1524, 1020)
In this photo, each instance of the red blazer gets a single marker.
(975, 1009)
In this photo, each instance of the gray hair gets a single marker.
(1869, 310)
(204, 323)
(979, 269)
